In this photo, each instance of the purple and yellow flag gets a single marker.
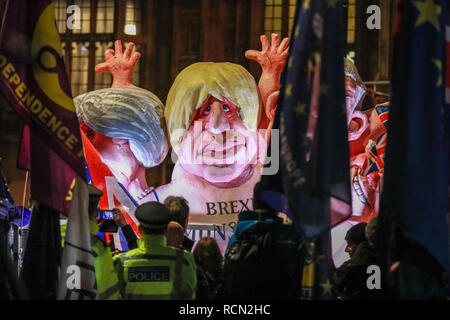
(34, 82)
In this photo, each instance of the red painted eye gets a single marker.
(206, 111)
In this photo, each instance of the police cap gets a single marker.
(153, 215)
(94, 197)
(94, 193)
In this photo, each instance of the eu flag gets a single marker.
(413, 210)
(313, 186)
(6, 200)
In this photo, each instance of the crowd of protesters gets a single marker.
(265, 258)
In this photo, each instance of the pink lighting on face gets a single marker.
(218, 147)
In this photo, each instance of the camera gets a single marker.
(107, 216)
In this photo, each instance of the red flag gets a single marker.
(23, 160)
(103, 179)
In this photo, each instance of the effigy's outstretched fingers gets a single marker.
(120, 64)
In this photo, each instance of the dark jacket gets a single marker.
(203, 289)
(350, 280)
(130, 236)
(263, 259)
(187, 244)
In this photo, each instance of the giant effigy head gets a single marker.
(212, 114)
(367, 137)
(131, 116)
(354, 87)
(355, 90)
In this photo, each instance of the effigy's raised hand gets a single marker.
(119, 64)
(272, 57)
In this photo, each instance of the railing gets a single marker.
(373, 88)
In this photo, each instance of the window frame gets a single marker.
(92, 37)
(285, 6)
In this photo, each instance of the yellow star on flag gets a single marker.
(327, 287)
(310, 66)
(428, 12)
(288, 91)
(324, 89)
(306, 4)
(300, 109)
(438, 64)
(312, 62)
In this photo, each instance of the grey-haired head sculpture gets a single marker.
(129, 113)
(352, 73)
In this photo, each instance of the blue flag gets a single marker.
(414, 198)
(316, 274)
(313, 186)
(447, 114)
(10, 213)
(6, 200)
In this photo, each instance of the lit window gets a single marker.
(61, 15)
(83, 49)
(351, 21)
(279, 17)
(133, 18)
(292, 7)
(273, 17)
(105, 16)
(79, 68)
(85, 21)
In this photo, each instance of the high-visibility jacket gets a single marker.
(107, 280)
(63, 228)
(155, 271)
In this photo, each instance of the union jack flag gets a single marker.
(376, 150)
(383, 112)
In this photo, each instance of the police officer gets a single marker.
(155, 270)
(105, 274)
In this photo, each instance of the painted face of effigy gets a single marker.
(212, 112)
(218, 147)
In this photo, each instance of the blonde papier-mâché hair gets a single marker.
(196, 83)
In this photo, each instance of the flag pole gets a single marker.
(3, 18)
(19, 264)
